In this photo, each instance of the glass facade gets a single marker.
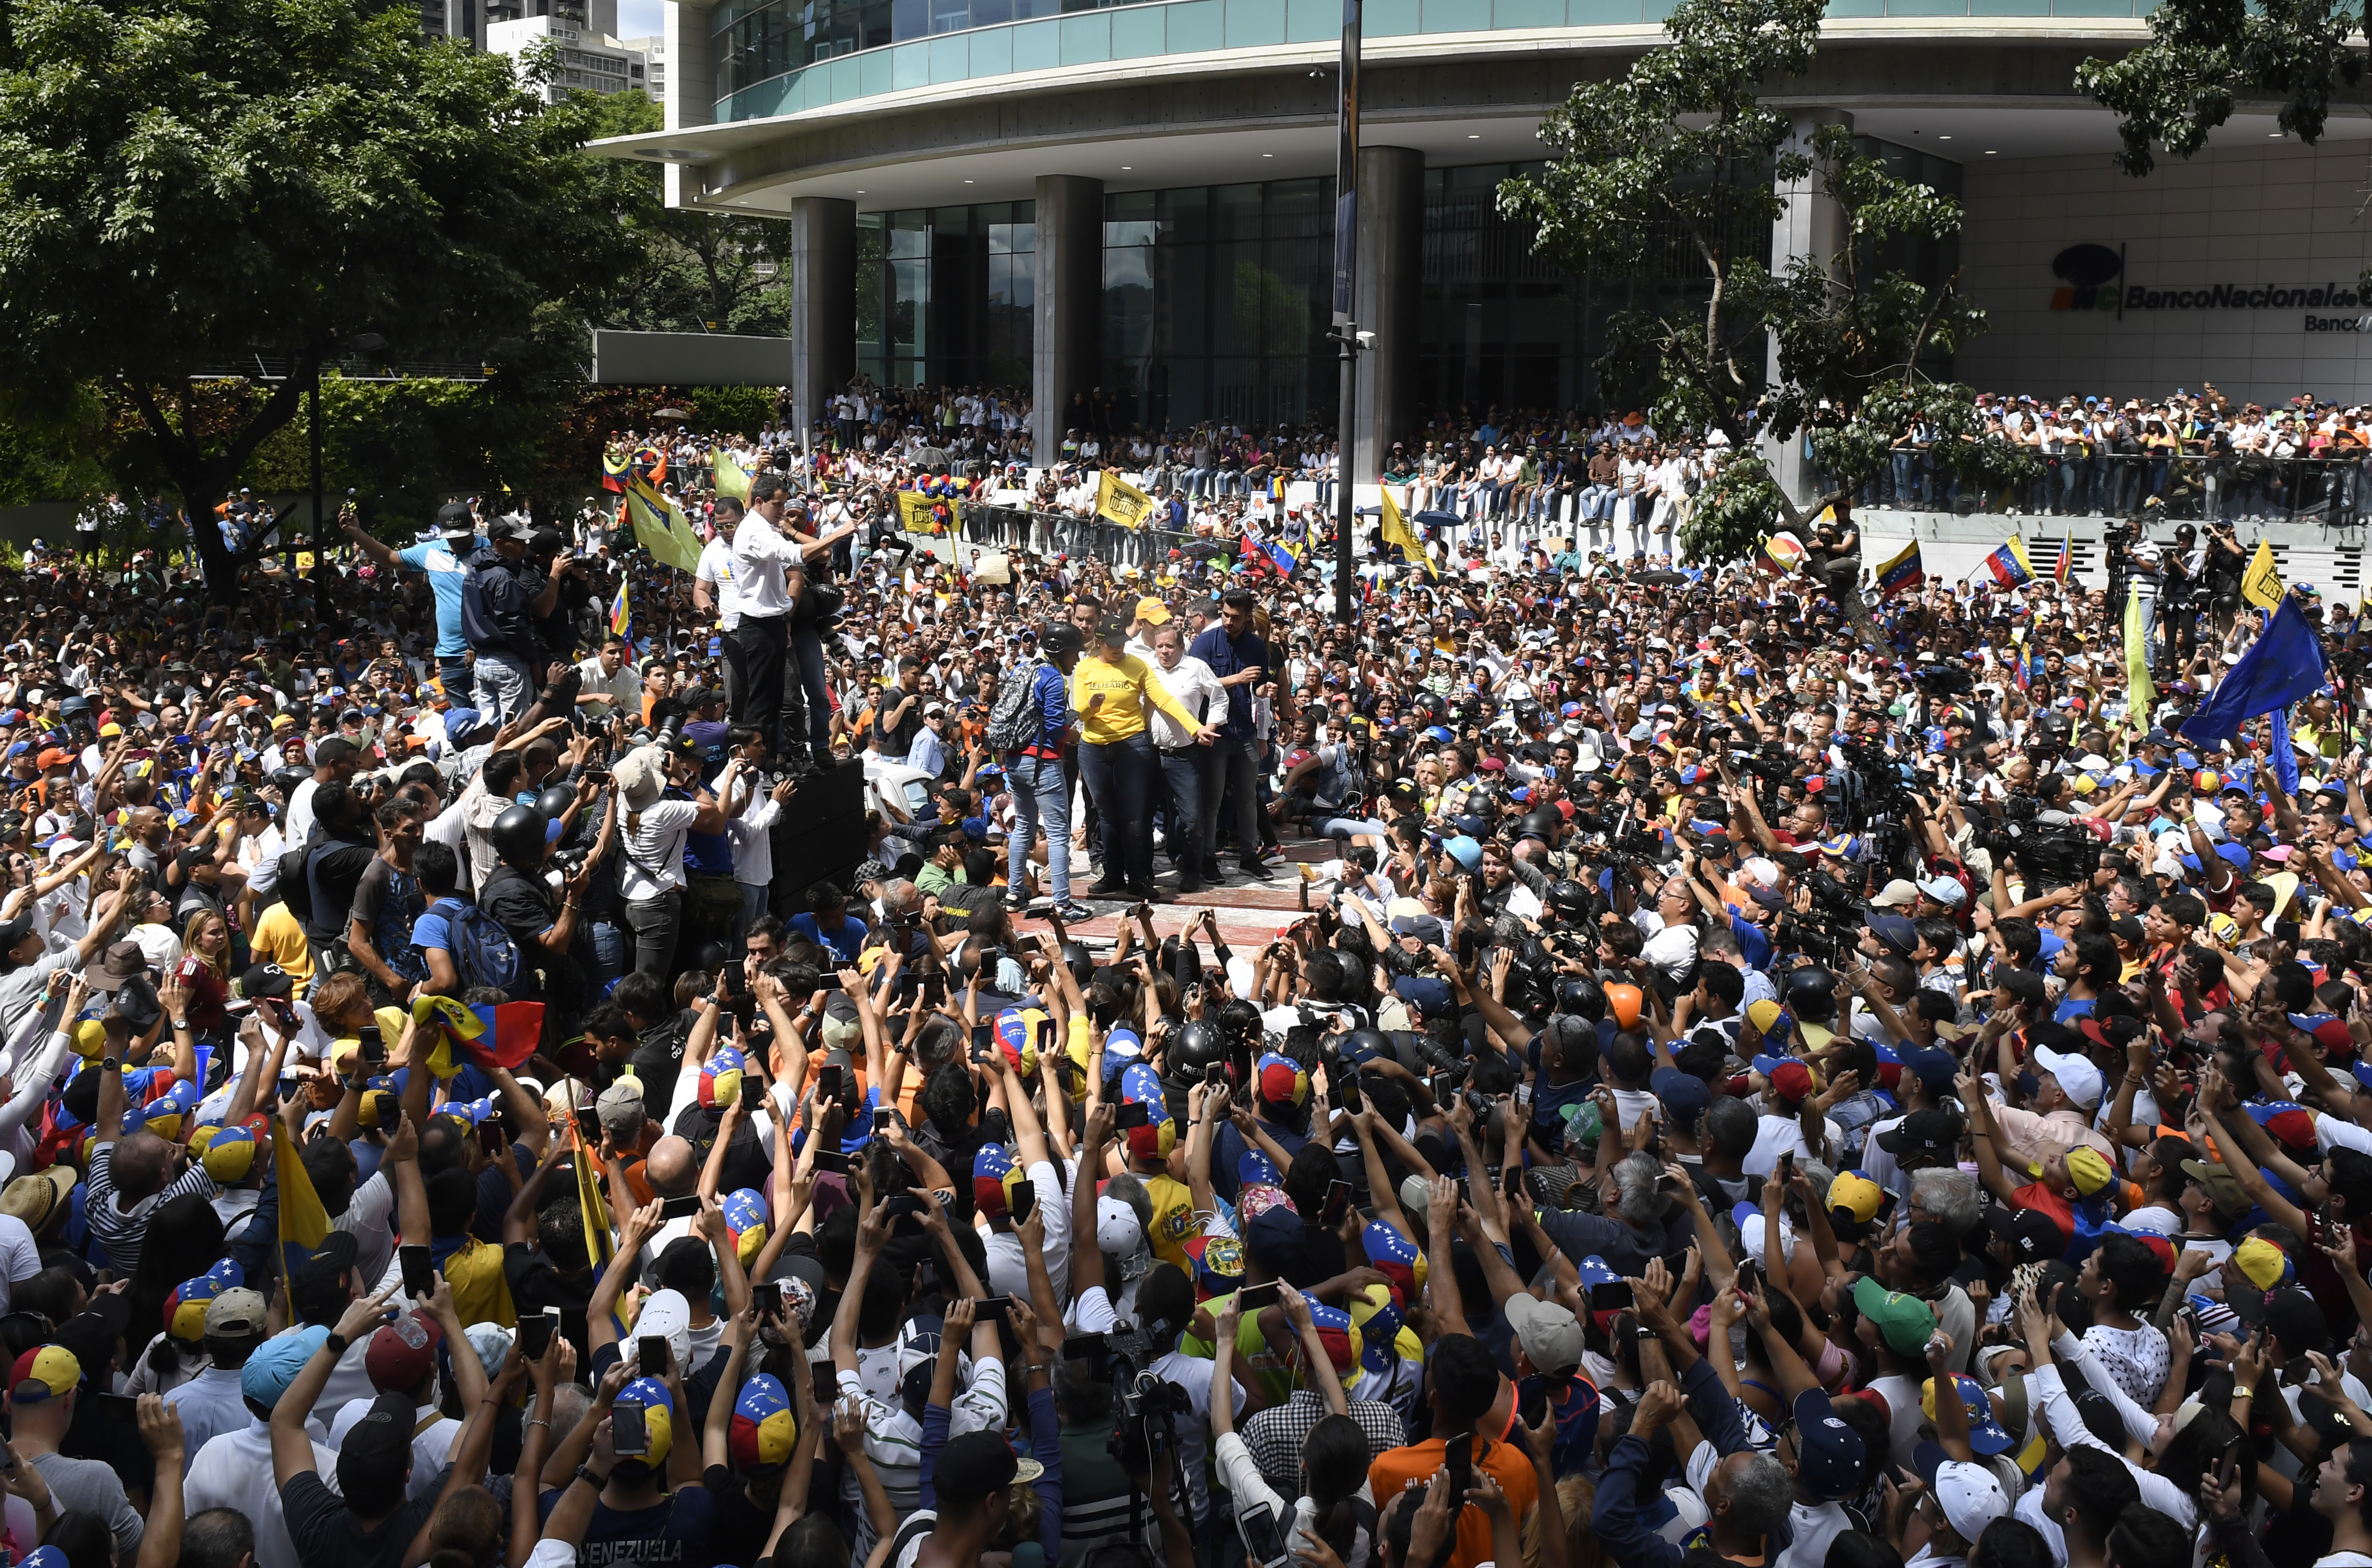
(1216, 302)
(784, 56)
(946, 295)
(1216, 299)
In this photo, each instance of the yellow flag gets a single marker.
(1396, 530)
(1121, 501)
(2141, 692)
(687, 538)
(732, 479)
(914, 512)
(304, 1221)
(2261, 584)
(653, 530)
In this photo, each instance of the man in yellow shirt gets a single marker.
(1112, 691)
(279, 939)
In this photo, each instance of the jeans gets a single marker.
(1120, 778)
(1183, 771)
(501, 685)
(754, 905)
(655, 923)
(1227, 764)
(806, 657)
(613, 946)
(1041, 796)
(455, 673)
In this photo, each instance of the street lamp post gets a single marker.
(1346, 335)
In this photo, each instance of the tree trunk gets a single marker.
(198, 479)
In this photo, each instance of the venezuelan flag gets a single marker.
(1902, 574)
(490, 1037)
(1284, 557)
(614, 464)
(622, 616)
(2009, 566)
(2066, 556)
(304, 1222)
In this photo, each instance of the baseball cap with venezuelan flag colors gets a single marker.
(1139, 1085)
(185, 1309)
(45, 1372)
(658, 1418)
(720, 1078)
(1395, 1257)
(994, 1178)
(745, 1222)
(764, 1431)
(1281, 1080)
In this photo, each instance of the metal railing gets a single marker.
(2336, 492)
(1060, 534)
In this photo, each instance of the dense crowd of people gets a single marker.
(1586, 1066)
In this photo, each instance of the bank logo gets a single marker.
(2088, 278)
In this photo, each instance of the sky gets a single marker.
(639, 18)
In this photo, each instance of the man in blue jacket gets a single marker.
(494, 619)
(1239, 657)
(1041, 794)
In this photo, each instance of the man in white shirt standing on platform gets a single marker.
(768, 572)
(711, 594)
(1198, 691)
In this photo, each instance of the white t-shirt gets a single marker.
(715, 569)
(20, 1259)
(655, 849)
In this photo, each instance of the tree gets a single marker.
(693, 271)
(1681, 151)
(2204, 55)
(192, 185)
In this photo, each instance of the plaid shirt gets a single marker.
(1277, 1436)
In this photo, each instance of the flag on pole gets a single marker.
(916, 514)
(2261, 584)
(2285, 666)
(1902, 574)
(2066, 557)
(622, 616)
(1120, 500)
(304, 1222)
(592, 1209)
(1394, 530)
(2009, 566)
(732, 479)
(2141, 692)
(654, 530)
(614, 464)
(1782, 552)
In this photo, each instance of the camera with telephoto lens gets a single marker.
(1146, 1406)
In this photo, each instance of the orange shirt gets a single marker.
(1396, 1468)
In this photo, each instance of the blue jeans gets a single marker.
(454, 672)
(754, 905)
(806, 655)
(501, 685)
(1226, 763)
(613, 949)
(1118, 776)
(1182, 770)
(1041, 796)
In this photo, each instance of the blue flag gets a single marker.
(2282, 666)
(2285, 755)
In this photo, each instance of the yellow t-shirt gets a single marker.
(278, 939)
(1125, 688)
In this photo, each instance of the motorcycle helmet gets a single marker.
(1582, 998)
(519, 835)
(1075, 960)
(1197, 1045)
(1811, 993)
(555, 800)
(1542, 822)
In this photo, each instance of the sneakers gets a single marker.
(1072, 913)
(1109, 887)
(1015, 903)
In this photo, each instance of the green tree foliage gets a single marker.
(2204, 57)
(190, 184)
(1681, 147)
(692, 270)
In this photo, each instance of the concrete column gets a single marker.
(823, 301)
(1809, 224)
(1384, 301)
(691, 87)
(1068, 341)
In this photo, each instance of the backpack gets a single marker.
(1015, 722)
(482, 951)
(294, 888)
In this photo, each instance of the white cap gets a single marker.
(2076, 1075)
(1751, 1236)
(666, 1314)
(1117, 1230)
(1970, 1496)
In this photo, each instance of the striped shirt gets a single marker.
(894, 1442)
(122, 1231)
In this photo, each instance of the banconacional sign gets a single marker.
(2243, 296)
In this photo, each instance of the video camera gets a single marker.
(1145, 1406)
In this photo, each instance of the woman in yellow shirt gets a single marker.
(1110, 690)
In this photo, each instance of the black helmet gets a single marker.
(1568, 898)
(555, 800)
(1060, 637)
(1527, 714)
(1197, 1045)
(518, 834)
(709, 955)
(1365, 1045)
(287, 778)
(1542, 822)
(1811, 993)
(1075, 960)
(1581, 996)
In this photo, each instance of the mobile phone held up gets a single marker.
(535, 1332)
(419, 1273)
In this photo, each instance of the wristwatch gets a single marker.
(586, 1472)
(180, 1024)
(336, 1343)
